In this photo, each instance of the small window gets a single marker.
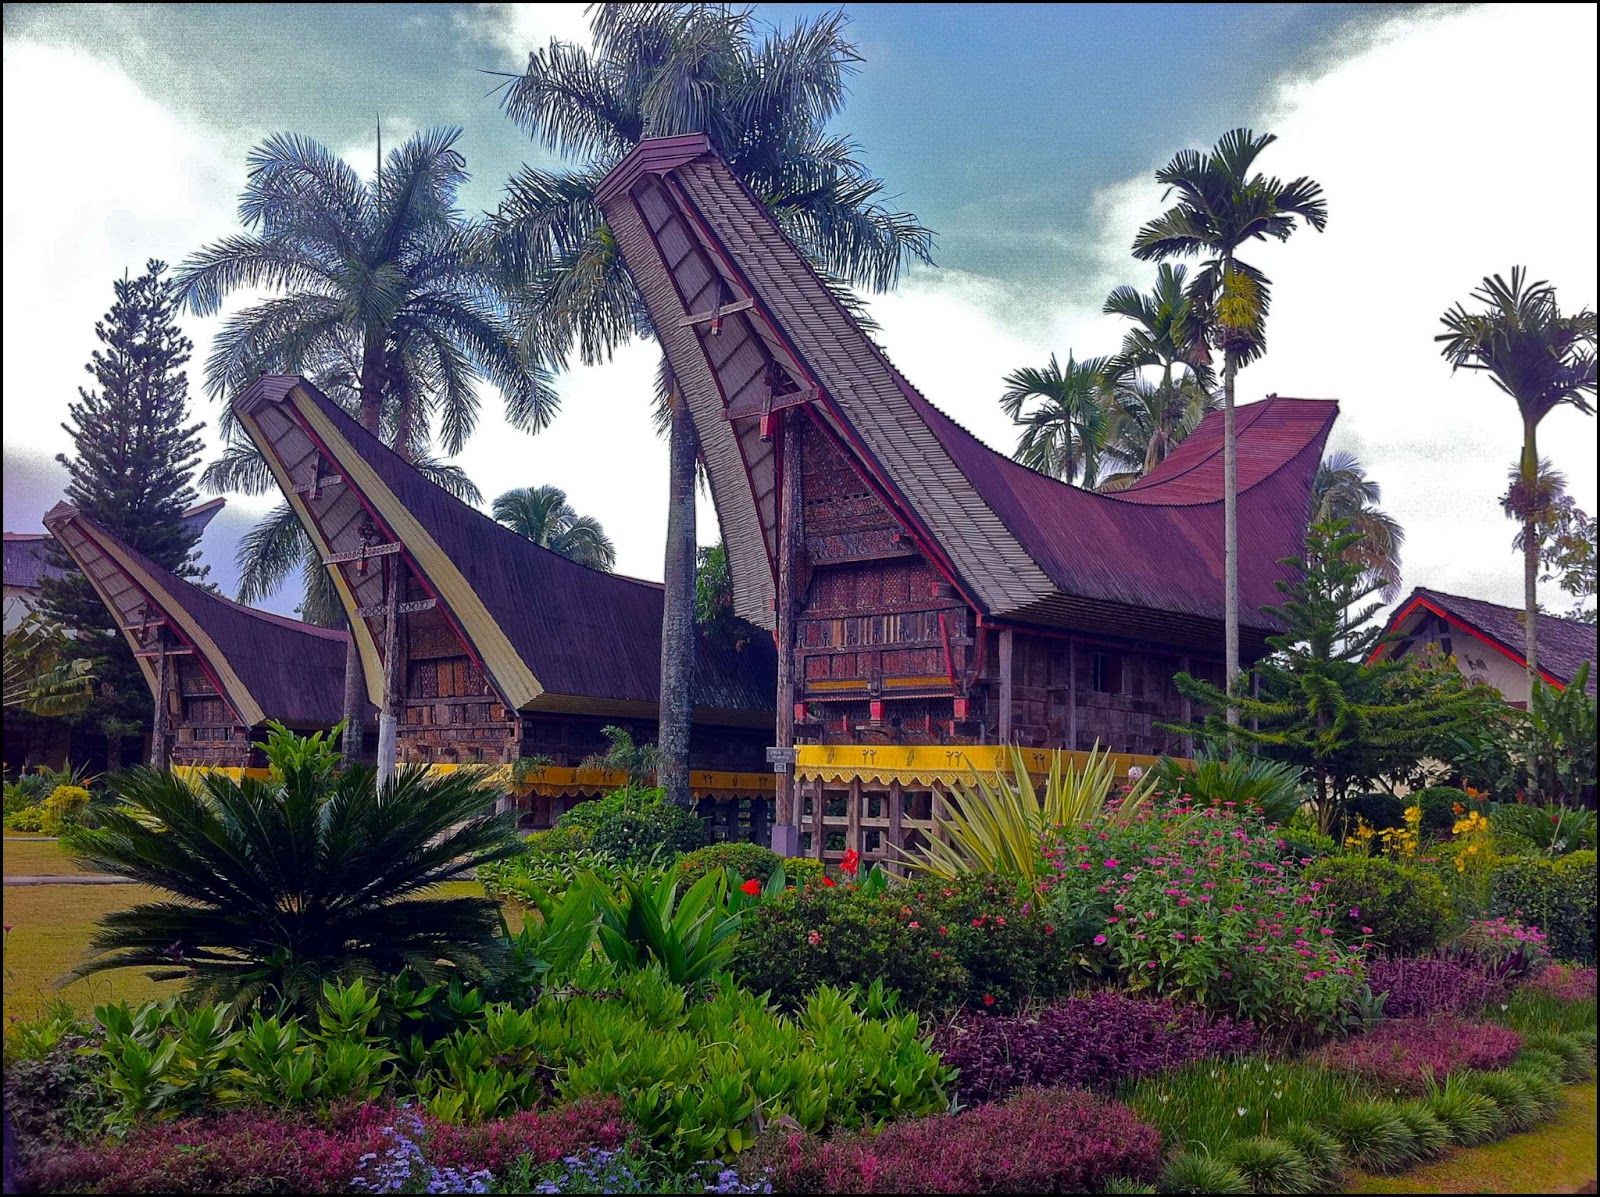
(1105, 672)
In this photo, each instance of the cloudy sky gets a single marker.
(1452, 142)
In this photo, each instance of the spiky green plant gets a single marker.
(1198, 1172)
(1319, 1149)
(1575, 1058)
(1270, 1165)
(1519, 1107)
(1471, 1118)
(997, 823)
(1374, 1135)
(276, 885)
(1431, 1135)
(1540, 1074)
(1274, 789)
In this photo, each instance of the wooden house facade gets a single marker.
(931, 600)
(218, 671)
(486, 648)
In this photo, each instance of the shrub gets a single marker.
(748, 860)
(63, 808)
(939, 944)
(50, 1092)
(1095, 1041)
(256, 1152)
(1564, 982)
(1406, 909)
(1270, 1165)
(587, 815)
(1206, 906)
(660, 830)
(27, 818)
(1041, 1141)
(1441, 806)
(308, 875)
(1557, 895)
(1404, 1053)
(1416, 987)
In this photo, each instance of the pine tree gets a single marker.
(134, 459)
(1319, 703)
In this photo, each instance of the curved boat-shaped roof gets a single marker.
(266, 666)
(550, 634)
(750, 330)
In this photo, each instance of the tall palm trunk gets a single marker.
(1230, 532)
(355, 689)
(1530, 571)
(677, 610)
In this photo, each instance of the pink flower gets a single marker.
(813, 938)
(1099, 939)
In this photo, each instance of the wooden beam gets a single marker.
(375, 609)
(316, 484)
(1072, 693)
(786, 835)
(158, 728)
(361, 554)
(727, 309)
(1186, 712)
(176, 650)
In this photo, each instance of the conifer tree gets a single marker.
(131, 470)
(1319, 703)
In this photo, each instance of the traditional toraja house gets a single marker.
(218, 671)
(490, 648)
(928, 595)
(1486, 641)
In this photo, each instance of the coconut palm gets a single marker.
(1341, 490)
(764, 99)
(377, 296)
(1148, 420)
(543, 515)
(42, 677)
(1543, 358)
(1064, 434)
(1221, 207)
(274, 886)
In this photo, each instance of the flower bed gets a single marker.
(1416, 987)
(1406, 1053)
(1041, 1141)
(1095, 1041)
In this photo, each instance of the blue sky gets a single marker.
(1024, 135)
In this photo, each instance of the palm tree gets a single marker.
(764, 100)
(1066, 433)
(543, 515)
(379, 298)
(1222, 206)
(1149, 420)
(1542, 358)
(312, 874)
(1341, 490)
(41, 675)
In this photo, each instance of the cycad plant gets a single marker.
(997, 823)
(274, 886)
(1272, 789)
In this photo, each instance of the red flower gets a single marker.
(829, 882)
(988, 999)
(851, 861)
(752, 887)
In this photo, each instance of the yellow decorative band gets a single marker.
(931, 764)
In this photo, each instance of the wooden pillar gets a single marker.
(1072, 693)
(786, 830)
(1186, 711)
(158, 726)
(393, 671)
(1006, 684)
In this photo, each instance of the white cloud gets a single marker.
(1430, 187)
(521, 28)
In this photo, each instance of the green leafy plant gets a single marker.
(997, 824)
(1272, 789)
(1407, 909)
(1374, 1135)
(689, 935)
(748, 861)
(277, 885)
(1270, 1165)
(1556, 895)
(1551, 830)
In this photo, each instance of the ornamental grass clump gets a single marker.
(1206, 1105)
(1207, 906)
(1420, 986)
(1040, 1141)
(1404, 1053)
(1374, 1135)
(1270, 1165)
(1097, 1041)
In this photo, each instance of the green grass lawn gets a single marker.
(39, 858)
(50, 929)
(1558, 1157)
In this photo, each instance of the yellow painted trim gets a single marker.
(371, 663)
(556, 781)
(931, 764)
(243, 701)
(510, 671)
